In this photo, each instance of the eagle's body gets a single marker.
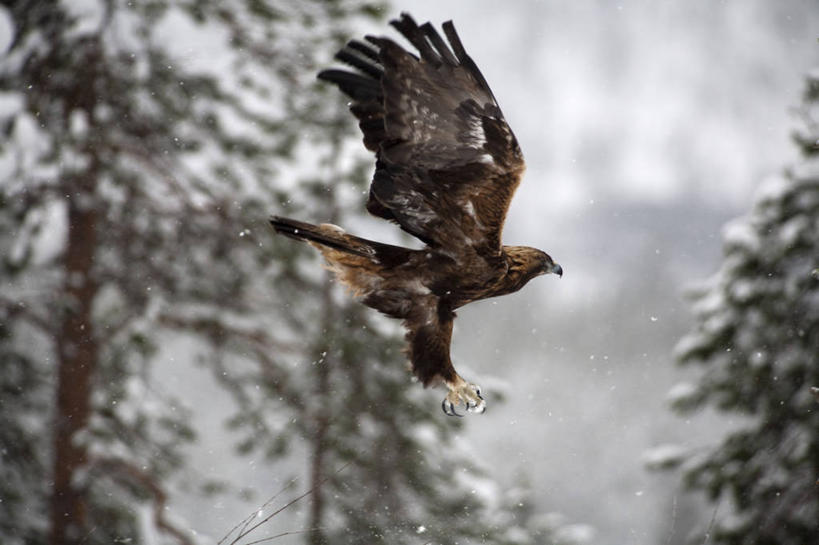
(447, 167)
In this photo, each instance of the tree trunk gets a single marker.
(77, 352)
(77, 347)
(317, 467)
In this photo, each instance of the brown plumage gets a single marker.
(447, 165)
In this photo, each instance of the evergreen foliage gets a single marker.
(132, 183)
(136, 177)
(758, 340)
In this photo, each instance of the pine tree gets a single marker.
(134, 191)
(128, 181)
(758, 340)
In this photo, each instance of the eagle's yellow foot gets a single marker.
(462, 392)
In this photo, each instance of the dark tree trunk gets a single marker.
(77, 347)
(77, 352)
(318, 462)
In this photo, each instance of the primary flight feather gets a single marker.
(447, 165)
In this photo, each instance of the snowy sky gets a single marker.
(645, 126)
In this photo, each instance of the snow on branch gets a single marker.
(125, 471)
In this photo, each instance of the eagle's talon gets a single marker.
(461, 392)
(449, 408)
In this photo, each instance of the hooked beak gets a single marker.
(557, 269)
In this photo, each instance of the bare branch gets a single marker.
(246, 522)
(290, 533)
(248, 531)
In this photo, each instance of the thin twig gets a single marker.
(249, 530)
(673, 520)
(290, 533)
(711, 525)
(247, 520)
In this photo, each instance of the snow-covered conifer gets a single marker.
(757, 340)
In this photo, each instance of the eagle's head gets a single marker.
(531, 262)
(547, 264)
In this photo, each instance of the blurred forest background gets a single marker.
(168, 369)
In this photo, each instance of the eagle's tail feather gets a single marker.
(324, 235)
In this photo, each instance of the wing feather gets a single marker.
(351, 57)
(447, 162)
(365, 50)
(436, 40)
(464, 59)
(408, 27)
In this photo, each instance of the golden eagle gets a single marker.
(447, 165)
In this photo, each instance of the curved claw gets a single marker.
(477, 408)
(449, 408)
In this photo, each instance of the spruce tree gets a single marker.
(757, 339)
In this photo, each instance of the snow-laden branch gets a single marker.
(122, 470)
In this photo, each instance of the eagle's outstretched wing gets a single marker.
(447, 162)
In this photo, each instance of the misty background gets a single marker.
(646, 126)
